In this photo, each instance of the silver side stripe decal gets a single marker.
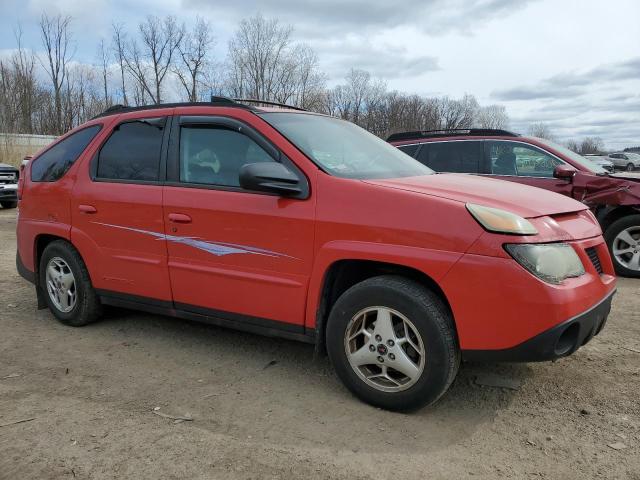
(218, 249)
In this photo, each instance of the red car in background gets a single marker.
(613, 198)
(289, 223)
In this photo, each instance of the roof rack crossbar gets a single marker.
(452, 132)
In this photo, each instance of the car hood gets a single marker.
(520, 199)
(4, 166)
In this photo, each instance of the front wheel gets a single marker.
(392, 342)
(9, 204)
(630, 167)
(623, 240)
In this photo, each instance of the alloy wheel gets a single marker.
(385, 349)
(61, 285)
(626, 248)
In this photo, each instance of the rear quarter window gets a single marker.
(55, 162)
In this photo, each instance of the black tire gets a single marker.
(9, 204)
(630, 167)
(430, 317)
(611, 233)
(87, 308)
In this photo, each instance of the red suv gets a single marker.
(613, 198)
(295, 224)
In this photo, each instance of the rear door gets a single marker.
(456, 156)
(234, 254)
(524, 163)
(117, 211)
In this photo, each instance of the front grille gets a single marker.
(592, 252)
(8, 177)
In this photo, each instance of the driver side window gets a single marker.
(214, 155)
(518, 159)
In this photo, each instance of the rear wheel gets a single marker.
(623, 240)
(393, 343)
(7, 204)
(65, 280)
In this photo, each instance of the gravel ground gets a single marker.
(265, 408)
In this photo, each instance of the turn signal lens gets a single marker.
(501, 221)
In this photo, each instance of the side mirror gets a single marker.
(270, 177)
(564, 172)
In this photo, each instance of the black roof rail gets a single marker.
(454, 132)
(268, 103)
(216, 101)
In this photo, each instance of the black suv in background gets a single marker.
(8, 186)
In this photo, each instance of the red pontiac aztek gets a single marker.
(284, 222)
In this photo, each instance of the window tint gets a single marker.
(132, 152)
(410, 149)
(458, 157)
(54, 163)
(214, 156)
(509, 158)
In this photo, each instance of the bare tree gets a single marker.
(257, 56)
(541, 130)
(118, 43)
(456, 114)
(56, 39)
(591, 145)
(573, 146)
(194, 51)
(150, 62)
(104, 66)
(492, 116)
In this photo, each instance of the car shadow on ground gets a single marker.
(255, 385)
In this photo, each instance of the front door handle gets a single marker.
(87, 209)
(179, 218)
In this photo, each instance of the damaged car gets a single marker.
(614, 198)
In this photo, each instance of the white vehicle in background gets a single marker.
(600, 160)
(625, 160)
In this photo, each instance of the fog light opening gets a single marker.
(568, 340)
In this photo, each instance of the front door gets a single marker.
(523, 163)
(233, 254)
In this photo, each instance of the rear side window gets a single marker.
(457, 157)
(214, 156)
(54, 163)
(410, 150)
(132, 152)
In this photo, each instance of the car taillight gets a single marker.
(21, 174)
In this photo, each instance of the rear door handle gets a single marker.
(87, 209)
(179, 218)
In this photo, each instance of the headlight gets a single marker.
(551, 262)
(501, 221)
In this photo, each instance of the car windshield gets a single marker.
(588, 164)
(344, 149)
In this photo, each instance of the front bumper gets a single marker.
(556, 342)
(8, 192)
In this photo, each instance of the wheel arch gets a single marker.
(343, 273)
(608, 215)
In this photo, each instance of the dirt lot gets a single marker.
(265, 408)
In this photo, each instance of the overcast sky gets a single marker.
(572, 64)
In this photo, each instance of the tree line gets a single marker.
(161, 60)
